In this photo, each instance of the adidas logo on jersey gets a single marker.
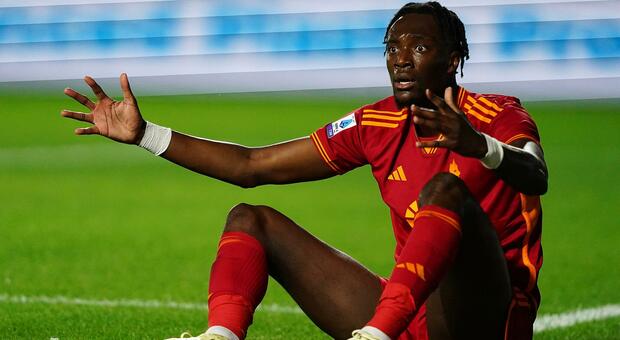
(398, 175)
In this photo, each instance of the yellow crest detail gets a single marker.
(454, 169)
(432, 150)
(410, 212)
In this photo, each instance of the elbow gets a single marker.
(249, 175)
(539, 189)
(544, 187)
(246, 178)
(539, 184)
(542, 180)
(247, 184)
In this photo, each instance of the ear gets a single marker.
(453, 62)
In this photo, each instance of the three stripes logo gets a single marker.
(386, 119)
(415, 268)
(398, 175)
(481, 108)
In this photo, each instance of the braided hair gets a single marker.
(452, 28)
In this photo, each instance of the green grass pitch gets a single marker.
(83, 217)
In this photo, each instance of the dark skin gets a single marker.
(347, 294)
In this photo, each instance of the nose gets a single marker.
(402, 59)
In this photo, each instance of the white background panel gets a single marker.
(236, 46)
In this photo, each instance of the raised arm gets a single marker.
(520, 163)
(287, 162)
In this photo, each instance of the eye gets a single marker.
(420, 48)
(391, 49)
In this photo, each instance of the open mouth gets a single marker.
(404, 85)
(403, 81)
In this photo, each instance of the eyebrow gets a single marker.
(418, 36)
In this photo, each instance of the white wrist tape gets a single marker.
(156, 138)
(495, 153)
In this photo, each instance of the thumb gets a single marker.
(127, 94)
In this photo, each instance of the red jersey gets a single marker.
(383, 136)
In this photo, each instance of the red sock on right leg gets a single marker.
(430, 250)
(238, 282)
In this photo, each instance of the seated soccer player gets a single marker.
(461, 173)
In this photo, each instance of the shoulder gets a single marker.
(488, 108)
(501, 116)
(381, 114)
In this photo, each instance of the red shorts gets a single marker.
(519, 324)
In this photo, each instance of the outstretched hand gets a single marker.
(118, 120)
(449, 121)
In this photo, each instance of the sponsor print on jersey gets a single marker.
(340, 125)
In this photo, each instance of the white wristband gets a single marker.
(156, 138)
(495, 153)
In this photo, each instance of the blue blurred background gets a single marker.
(533, 49)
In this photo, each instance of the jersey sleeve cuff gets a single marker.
(522, 136)
(323, 152)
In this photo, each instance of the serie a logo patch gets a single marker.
(340, 125)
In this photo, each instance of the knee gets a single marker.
(245, 218)
(445, 190)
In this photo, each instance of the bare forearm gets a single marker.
(224, 161)
(288, 162)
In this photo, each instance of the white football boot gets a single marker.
(369, 333)
(213, 333)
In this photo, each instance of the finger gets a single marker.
(433, 124)
(81, 116)
(80, 98)
(127, 94)
(97, 90)
(92, 130)
(449, 97)
(424, 112)
(432, 144)
(438, 101)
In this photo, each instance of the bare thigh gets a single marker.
(335, 291)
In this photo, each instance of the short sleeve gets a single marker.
(514, 123)
(339, 143)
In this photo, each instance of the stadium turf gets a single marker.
(90, 220)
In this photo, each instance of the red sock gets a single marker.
(238, 282)
(430, 249)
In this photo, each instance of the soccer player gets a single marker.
(461, 173)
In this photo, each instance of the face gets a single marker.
(418, 60)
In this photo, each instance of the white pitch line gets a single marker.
(63, 300)
(543, 322)
(567, 319)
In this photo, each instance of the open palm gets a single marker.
(118, 120)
